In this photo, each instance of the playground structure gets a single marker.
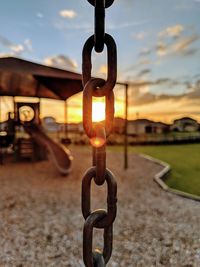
(23, 78)
(36, 144)
(19, 77)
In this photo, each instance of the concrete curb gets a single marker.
(160, 177)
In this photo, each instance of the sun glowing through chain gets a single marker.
(98, 109)
(97, 141)
(98, 115)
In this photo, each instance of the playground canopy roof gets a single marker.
(19, 77)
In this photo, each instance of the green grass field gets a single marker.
(185, 163)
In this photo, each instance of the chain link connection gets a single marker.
(98, 259)
(91, 221)
(107, 86)
(108, 3)
(98, 133)
(99, 154)
(88, 93)
(111, 199)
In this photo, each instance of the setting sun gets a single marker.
(98, 109)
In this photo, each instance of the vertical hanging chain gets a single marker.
(98, 133)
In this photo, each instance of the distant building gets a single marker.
(73, 127)
(185, 124)
(118, 125)
(3, 126)
(50, 124)
(145, 126)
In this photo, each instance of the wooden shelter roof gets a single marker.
(19, 77)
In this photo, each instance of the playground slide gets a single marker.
(59, 154)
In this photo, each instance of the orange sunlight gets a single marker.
(55, 108)
(97, 141)
(98, 109)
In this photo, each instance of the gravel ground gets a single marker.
(41, 221)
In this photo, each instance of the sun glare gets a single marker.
(98, 110)
(97, 141)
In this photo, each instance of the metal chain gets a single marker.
(97, 134)
(107, 4)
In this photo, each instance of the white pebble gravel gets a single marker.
(41, 221)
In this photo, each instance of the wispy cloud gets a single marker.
(89, 27)
(191, 52)
(171, 42)
(160, 82)
(40, 15)
(145, 51)
(133, 68)
(61, 61)
(63, 25)
(180, 47)
(187, 5)
(143, 73)
(172, 31)
(15, 49)
(183, 45)
(140, 35)
(126, 24)
(68, 13)
(143, 95)
(161, 49)
(2, 54)
(28, 45)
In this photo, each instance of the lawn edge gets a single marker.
(162, 175)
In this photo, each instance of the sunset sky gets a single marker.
(158, 50)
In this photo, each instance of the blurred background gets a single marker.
(158, 51)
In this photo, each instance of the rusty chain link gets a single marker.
(111, 199)
(103, 88)
(97, 134)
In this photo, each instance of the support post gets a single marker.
(39, 112)
(125, 129)
(66, 119)
(0, 111)
(1, 150)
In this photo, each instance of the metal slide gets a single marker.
(60, 155)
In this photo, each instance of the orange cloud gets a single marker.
(161, 49)
(67, 13)
(182, 47)
(183, 44)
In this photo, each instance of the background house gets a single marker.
(73, 127)
(49, 124)
(3, 126)
(185, 124)
(118, 125)
(145, 126)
